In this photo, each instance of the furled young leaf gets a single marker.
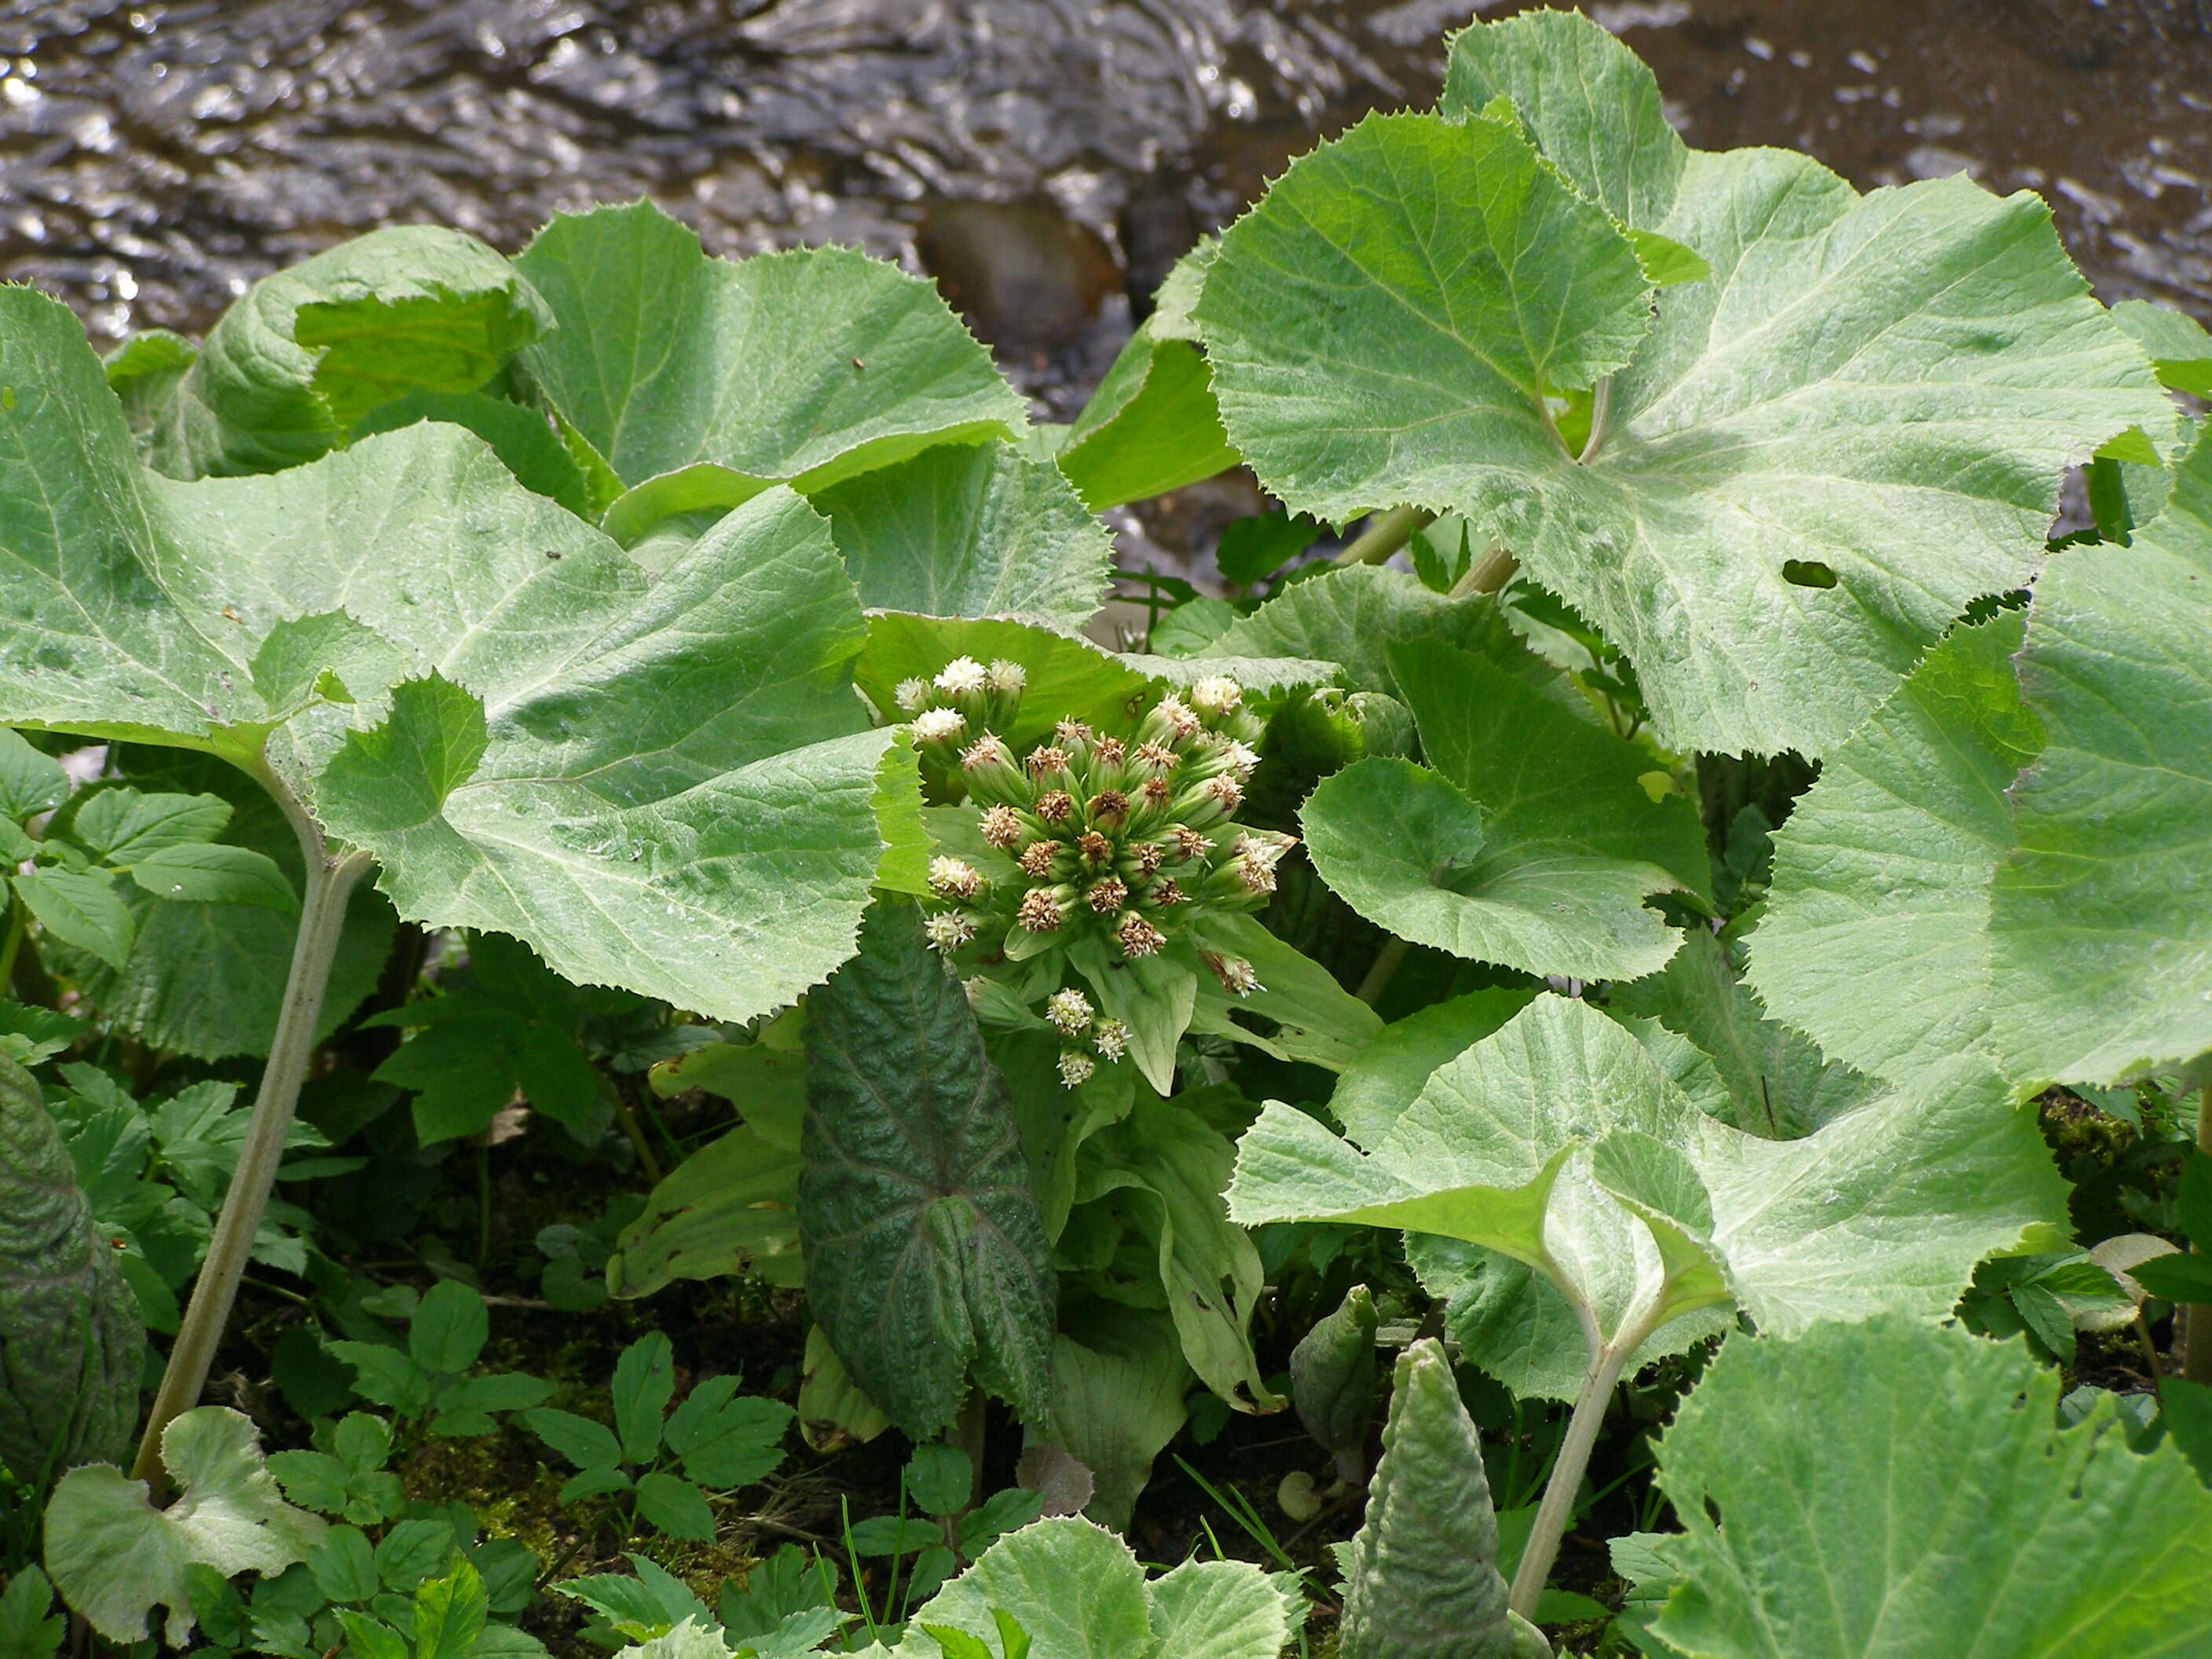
(1424, 1576)
(303, 355)
(1333, 1373)
(1875, 938)
(1778, 1084)
(1078, 1593)
(1560, 1142)
(552, 778)
(728, 1208)
(970, 530)
(924, 1251)
(1883, 1489)
(115, 1557)
(2100, 940)
(1532, 843)
(805, 366)
(1818, 455)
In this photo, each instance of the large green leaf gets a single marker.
(1352, 617)
(115, 1557)
(707, 380)
(1588, 103)
(1777, 1083)
(206, 979)
(666, 786)
(729, 1208)
(1411, 290)
(1078, 1593)
(925, 1253)
(1152, 426)
(1532, 842)
(970, 530)
(1818, 456)
(1884, 1491)
(2101, 918)
(1876, 935)
(72, 1343)
(303, 355)
(1560, 1142)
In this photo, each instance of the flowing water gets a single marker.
(1044, 159)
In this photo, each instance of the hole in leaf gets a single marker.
(1807, 572)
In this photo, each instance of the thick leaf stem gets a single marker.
(2196, 1332)
(1385, 534)
(322, 919)
(16, 921)
(1567, 1469)
(1600, 411)
(1384, 969)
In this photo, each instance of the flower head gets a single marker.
(1137, 937)
(1068, 1012)
(1005, 678)
(1106, 897)
(940, 725)
(1041, 910)
(948, 931)
(912, 695)
(1037, 859)
(1216, 696)
(1111, 1039)
(962, 675)
(954, 879)
(1075, 1068)
(1055, 806)
(1002, 827)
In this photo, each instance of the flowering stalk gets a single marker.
(1126, 837)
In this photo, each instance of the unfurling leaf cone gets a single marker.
(1332, 1380)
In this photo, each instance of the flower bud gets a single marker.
(1171, 723)
(1068, 1012)
(1109, 809)
(1155, 757)
(1075, 1068)
(1096, 851)
(1136, 936)
(1049, 768)
(1210, 802)
(1071, 734)
(954, 879)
